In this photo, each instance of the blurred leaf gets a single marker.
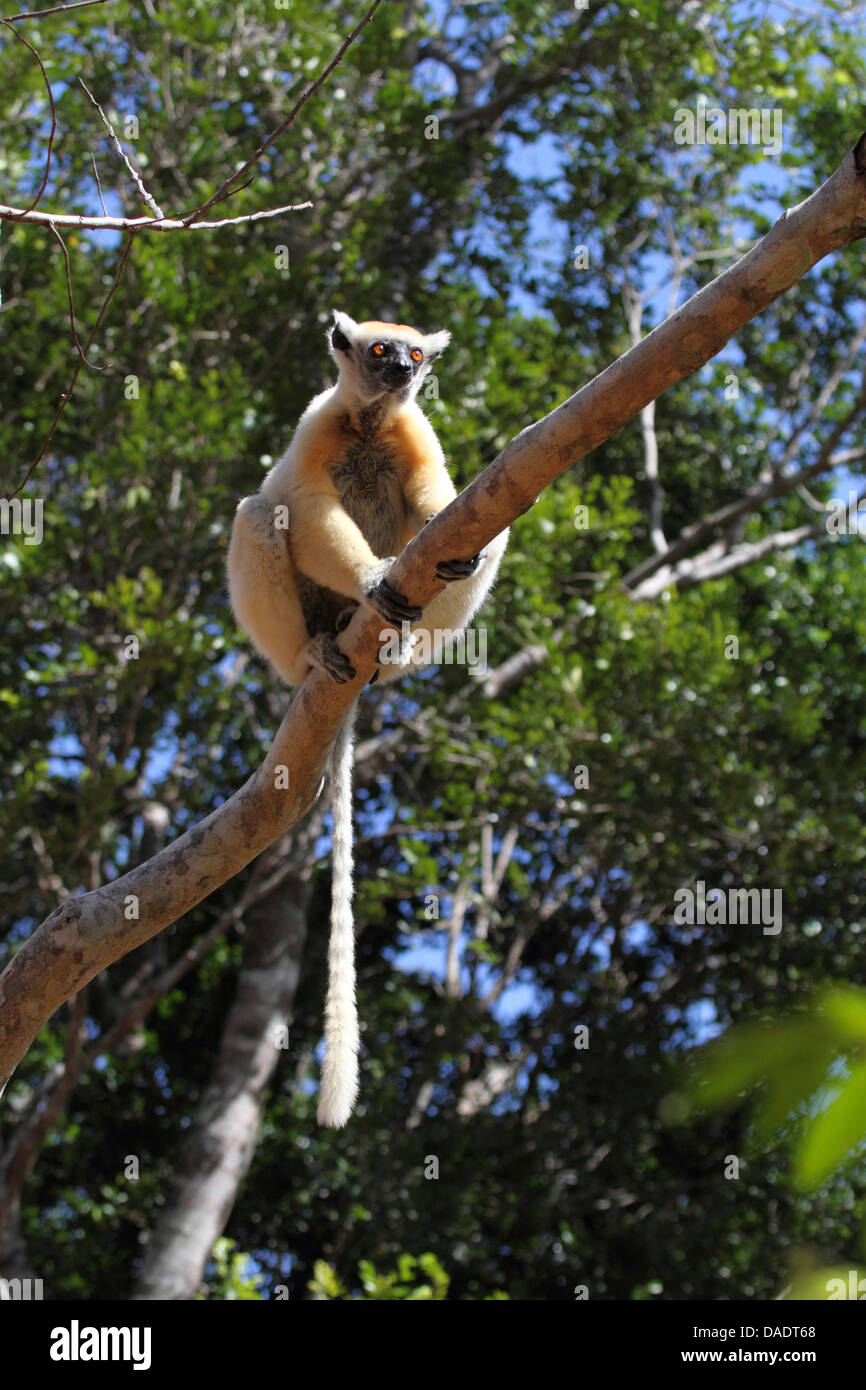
(834, 1132)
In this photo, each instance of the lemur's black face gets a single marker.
(393, 362)
(383, 366)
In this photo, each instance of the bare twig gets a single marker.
(52, 132)
(55, 9)
(64, 399)
(138, 224)
(98, 184)
(229, 193)
(75, 339)
(134, 174)
(302, 100)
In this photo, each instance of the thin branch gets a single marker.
(132, 225)
(56, 9)
(131, 169)
(75, 339)
(723, 557)
(65, 398)
(229, 193)
(459, 904)
(98, 184)
(138, 224)
(52, 132)
(539, 913)
(825, 395)
(302, 100)
(633, 305)
(500, 679)
(492, 874)
(49, 880)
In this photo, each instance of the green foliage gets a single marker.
(807, 1070)
(232, 1278)
(399, 1286)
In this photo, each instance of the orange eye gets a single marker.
(378, 350)
(417, 355)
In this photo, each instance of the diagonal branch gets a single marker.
(85, 934)
(20, 1158)
(713, 564)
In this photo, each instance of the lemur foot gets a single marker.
(395, 607)
(459, 569)
(324, 652)
(456, 569)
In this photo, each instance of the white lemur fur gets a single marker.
(363, 474)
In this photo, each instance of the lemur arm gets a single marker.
(329, 548)
(427, 485)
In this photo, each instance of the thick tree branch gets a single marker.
(86, 934)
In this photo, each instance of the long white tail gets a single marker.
(339, 1085)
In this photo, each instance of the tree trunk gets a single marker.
(223, 1139)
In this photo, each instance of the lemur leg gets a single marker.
(263, 592)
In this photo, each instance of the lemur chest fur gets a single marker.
(368, 480)
(369, 483)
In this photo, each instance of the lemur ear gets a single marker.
(341, 334)
(436, 343)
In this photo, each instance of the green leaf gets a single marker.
(845, 1011)
(834, 1132)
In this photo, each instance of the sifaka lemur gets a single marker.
(363, 474)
